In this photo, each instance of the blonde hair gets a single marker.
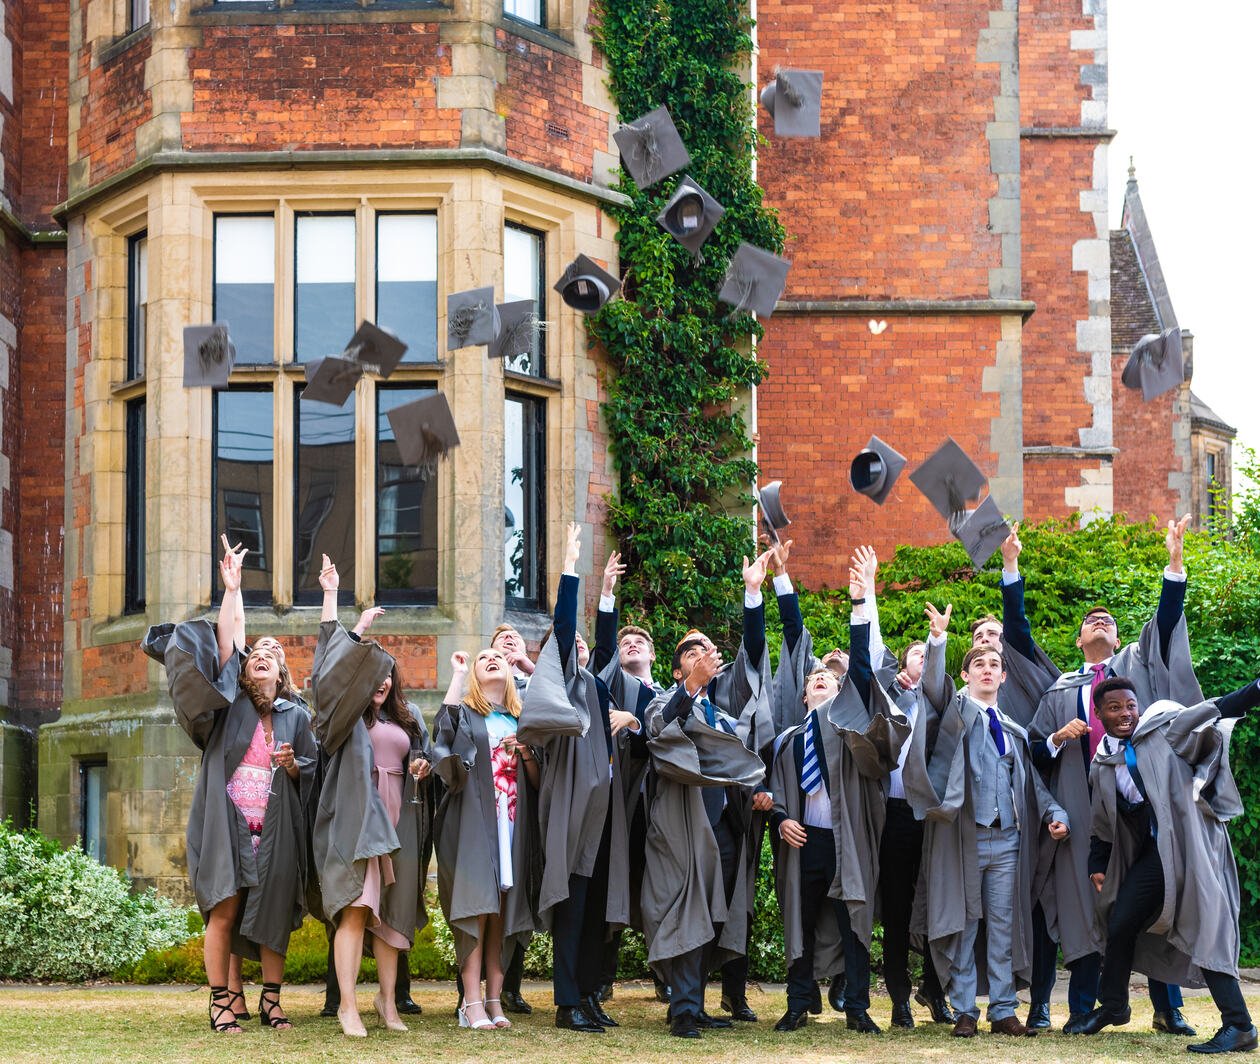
(475, 698)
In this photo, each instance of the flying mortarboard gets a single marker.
(586, 286)
(375, 349)
(1156, 364)
(424, 429)
(690, 215)
(331, 380)
(794, 100)
(754, 280)
(983, 532)
(209, 355)
(651, 147)
(949, 479)
(470, 318)
(772, 514)
(516, 325)
(875, 470)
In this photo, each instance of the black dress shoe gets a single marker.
(329, 1009)
(712, 1023)
(1038, 1016)
(815, 1005)
(1228, 1040)
(407, 1007)
(662, 993)
(575, 1019)
(739, 1009)
(605, 993)
(1172, 1022)
(512, 1001)
(901, 1015)
(860, 1020)
(792, 1021)
(835, 995)
(938, 1006)
(684, 1026)
(1095, 1021)
(596, 1012)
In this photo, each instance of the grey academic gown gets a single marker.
(580, 786)
(219, 717)
(1183, 757)
(936, 777)
(466, 834)
(788, 684)
(861, 745)
(351, 823)
(1062, 879)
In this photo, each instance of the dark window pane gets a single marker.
(244, 453)
(406, 513)
(245, 283)
(406, 281)
(323, 301)
(133, 590)
(524, 277)
(323, 497)
(92, 805)
(137, 304)
(524, 488)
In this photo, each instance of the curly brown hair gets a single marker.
(394, 708)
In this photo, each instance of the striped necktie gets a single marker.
(811, 772)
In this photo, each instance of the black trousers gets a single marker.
(1140, 898)
(818, 869)
(900, 854)
(579, 931)
(1083, 972)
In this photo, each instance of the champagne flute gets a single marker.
(412, 754)
(276, 751)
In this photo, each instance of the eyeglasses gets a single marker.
(1101, 618)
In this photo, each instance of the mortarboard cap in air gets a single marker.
(690, 215)
(754, 280)
(875, 470)
(794, 100)
(470, 318)
(949, 479)
(516, 326)
(209, 355)
(424, 429)
(983, 532)
(772, 508)
(331, 380)
(376, 350)
(651, 147)
(1156, 364)
(586, 286)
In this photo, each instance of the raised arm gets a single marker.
(330, 582)
(789, 602)
(755, 608)
(1016, 631)
(605, 648)
(932, 685)
(459, 678)
(564, 620)
(346, 672)
(859, 634)
(1172, 593)
(226, 628)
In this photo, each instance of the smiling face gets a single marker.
(509, 642)
(821, 686)
(262, 666)
(491, 666)
(382, 692)
(273, 645)
(1119, 713)
(634, 649)
(984, 674)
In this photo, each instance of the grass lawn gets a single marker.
(169, 1024)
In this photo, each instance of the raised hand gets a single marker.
(459, 661)
(328, 578)
(857, 584)
(232, 564)
(615, 568)
(1011, 548)
(366, 618)
(1175, 541)
(779, 553)
(938, 621)
(865, 559)
(572, 547)
(704, 670)
(755, 571)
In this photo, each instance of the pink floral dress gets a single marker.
(503, 770)
(250, 785)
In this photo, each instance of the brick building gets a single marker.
(295, 167)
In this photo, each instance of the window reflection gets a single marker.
(523, 494)
(406, 513)
(244, 454)
(323, 497)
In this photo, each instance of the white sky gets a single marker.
(1183, 96)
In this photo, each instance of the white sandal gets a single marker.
(500, 1021)
(476, 1025)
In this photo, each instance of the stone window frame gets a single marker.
(286, 375)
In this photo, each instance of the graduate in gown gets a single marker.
(485, 829)
(1065, 733)
(582, 817)
(968, 774)
(1160, 860)
(367, 838)
(246, 826)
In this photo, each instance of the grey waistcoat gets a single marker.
(991, 780)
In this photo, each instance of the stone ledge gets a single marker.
(1033, 132)
(1023, 307)
(1071, 452)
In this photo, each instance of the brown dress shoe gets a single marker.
(965, 1027)
(1011, 1026)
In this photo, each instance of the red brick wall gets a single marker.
(310, 87)
(117, 102)
(38, 472)
(1144, 435)
(1044, 481)
(892, 202)
(547, 122)
(115, 669)
(1050, 88)
(41, 76)
(831, 384)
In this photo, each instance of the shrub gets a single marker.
(65, 916)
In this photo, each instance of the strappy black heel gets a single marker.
(242, 1014)
(221, 1004)
(268, 1003)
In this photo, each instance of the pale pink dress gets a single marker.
(250, 785)
(391, 747)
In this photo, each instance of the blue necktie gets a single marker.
(995, 730)
(811, 773)
(1130, 762)
(710, 714)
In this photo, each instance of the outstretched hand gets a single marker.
(755, 571)
(938, 621)
(857, 584)
(866, 560)
(572, 547)
(366, 618)
(779, 554)
(232, 564)
(615, 568)
(328, 578)
(1175, 542)
(1011, 548)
